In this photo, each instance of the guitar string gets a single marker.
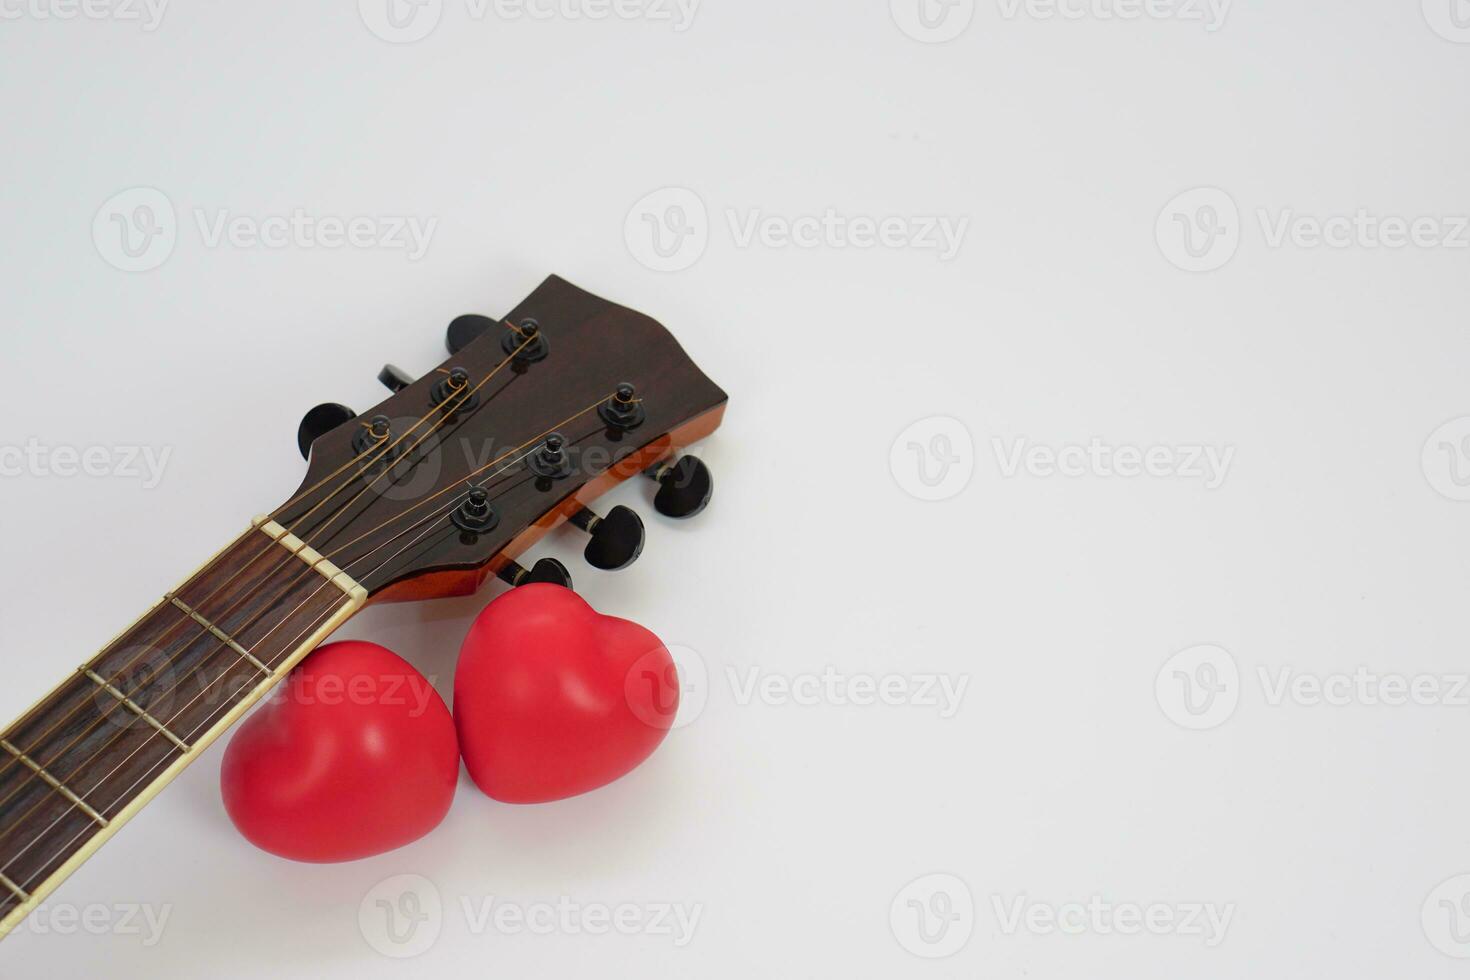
(208, 721)
(440, 410)
(238, 661)
(224, 674)
(208, 656)
(445, 414)
(83, 794)
(244, 598)
(445, 417)
(452, 486)
(183, 622)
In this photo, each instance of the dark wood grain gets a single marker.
(595, 345)
(390, 529)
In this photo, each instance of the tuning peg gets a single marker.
(685, 486)
(395, 379)
(617, 539)
(467, 329)
(547, 570)
(318, 422)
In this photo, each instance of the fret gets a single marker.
(31, 812)
(80, 720)
(221, 635)
(110, 776)
(133, 706)
(43, 842)
(86, 758)
(104, 743)
(54, 783)
(12, 896)
(216, 683)
(228, 678)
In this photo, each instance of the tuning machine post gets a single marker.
(453, 393)
(624, 411)
(524, 339)
(551, 461)
(475, 514)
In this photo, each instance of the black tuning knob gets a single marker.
(547, 571)
(318, 422)
(455, 389)
(616, 540)
(624, 410)
(685, 486)
(467, 329)
(526, 341)
(551, 461)
(475, 515)
(395, 379)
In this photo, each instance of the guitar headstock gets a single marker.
(531, 419)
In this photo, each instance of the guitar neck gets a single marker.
(94, 751)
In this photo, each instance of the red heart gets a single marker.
(552, 699)
(355, 756)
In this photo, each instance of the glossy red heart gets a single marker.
(552, 699)
(354, 755)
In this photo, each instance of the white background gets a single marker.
(1331, 544)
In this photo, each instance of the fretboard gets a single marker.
(94, 751)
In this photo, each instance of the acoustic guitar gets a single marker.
(447, 482)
